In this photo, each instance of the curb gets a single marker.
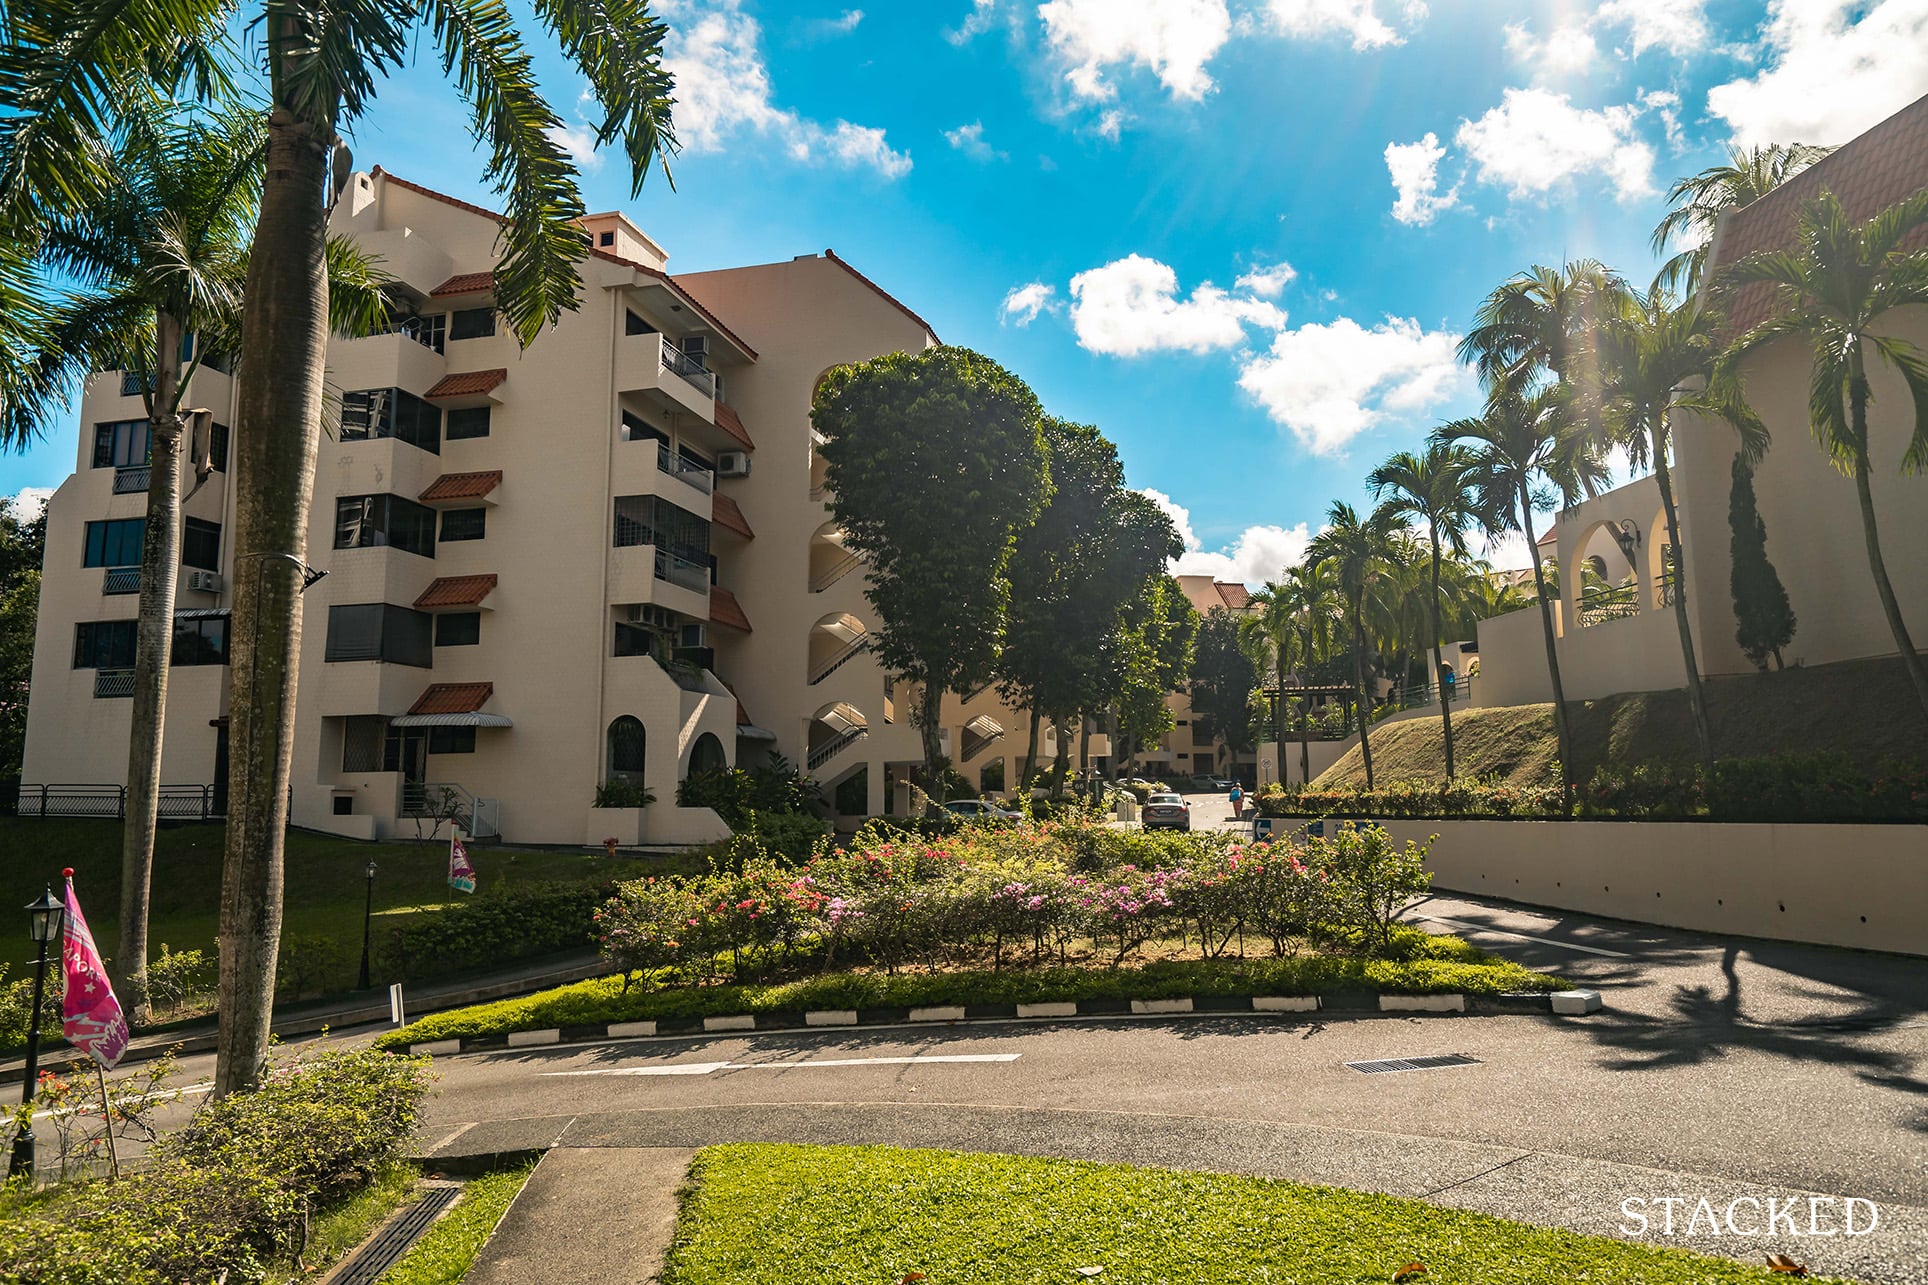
(1572, 1003)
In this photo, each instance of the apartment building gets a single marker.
(608, 557)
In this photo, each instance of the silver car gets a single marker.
(1167, 812)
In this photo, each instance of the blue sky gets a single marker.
(1241, 236)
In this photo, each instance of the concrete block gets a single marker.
(1162, 1005)
(436, 1048)
(620, 1029)
(1576, 1003)
(1422, 1003)
(735, 1022)
(528, 1039)
(941, 1013)
(1056, 1008)
(1285, 1003)
(831, 1017)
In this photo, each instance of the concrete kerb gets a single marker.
(1558, 1003)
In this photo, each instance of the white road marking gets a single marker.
(707, 1068)
(1503, 932)
(166, 1095)
(452, 1136)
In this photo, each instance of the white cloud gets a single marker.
(1677, 26)
(723, 89)
(1567, 48)
(1131, 306)
(1268, 282)
(978, 21)
(1111, 124)
(841, 25)
(29, 502)
(1173, 39)
(1415, 177)
(1536, 139)
(579, 142)
(969, 139)
(1023, 304)
(1329, 382)
(1260, 553)
(1832, 69)
(1358, 19)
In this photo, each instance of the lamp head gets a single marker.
(44, 916)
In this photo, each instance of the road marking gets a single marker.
(707, 1068)
(166, 1095)
(457, 1132)
(1463, 926)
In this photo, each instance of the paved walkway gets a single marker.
(604, 1215)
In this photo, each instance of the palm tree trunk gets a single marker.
(1278, 702)
(1696, 693)
(1359, 676)
(284, 344)
(1305, 726)
(1560, 733)
(1910, 658)
(1439, 669)
(153, 638)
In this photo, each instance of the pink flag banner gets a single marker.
(92, 1019)
(461, 873)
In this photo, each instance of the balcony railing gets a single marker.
(678, 467)
(832, 748)
(129, 480)
(692, 371)
(172, 802)
(681, 571)
(1667, 591)
(1600, 605)
(113, 684)
(121, 580)
(835, 573)
(838, 659)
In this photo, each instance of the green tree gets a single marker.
(1435, 486)
(1160, 627)
(936, 462)
(1222, 680)
(67, 67)
(1764, 616)
(1542, 324)
(1834, 289)
(1270, 634)
(1356, 549)
(23, 543)
(1696, 203)
(1313, 599)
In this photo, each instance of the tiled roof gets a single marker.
(725, 610)
(456, 591)
(461, 486)
(453, 698)
(468, 383)
(438, 196)
(1232, 595)
(466, 283)
(682, 291)
(728, 421)
(742, 715)
(725, 512)
(888, 297)
(1868, 174)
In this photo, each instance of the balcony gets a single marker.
(694, 576)
(120, 580)
(676, 466)
(113, 684)
(128, 481)
(1597, 606)
(652, 365)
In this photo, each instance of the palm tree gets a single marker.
(1269, 633)
(1435, 487)
(1356, 549)
(1653, 355)
(1312, 601)
(1695, 204)
(1525, 452)
(1834, 288)
(65, 68)
(1541, 323)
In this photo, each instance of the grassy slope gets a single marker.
(779, 1214)
(1866, 708)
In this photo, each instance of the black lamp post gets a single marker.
(43, 917)
(368, 915)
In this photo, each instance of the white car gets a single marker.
(1167, 812)
(980, 810)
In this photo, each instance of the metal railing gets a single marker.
(835, 573)
(832, 748)
(111, 684)
(450, 802)
(692, 371)
(1600, 605)
(121, 580)
(676, 466)
(681, 571)
(129, 480)
(838, 659)
(173, 803)
(1667, 591)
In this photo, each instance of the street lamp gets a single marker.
(43, 920)
(368, 915)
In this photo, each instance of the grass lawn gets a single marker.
(445, 1254)
(782, 1214)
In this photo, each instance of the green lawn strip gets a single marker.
(334, 1233)
(1455, 968)
(444, 1255)
(774, 1215)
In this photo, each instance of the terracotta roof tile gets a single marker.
(456, 591)
(725, 512)
(728, 420)
(466, 283)
(453, 698)
(725, 610)
(888, 297)
(468, 383)
(742, 715)
(1234, 596)
(461, 486)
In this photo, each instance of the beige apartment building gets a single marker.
(605, 558)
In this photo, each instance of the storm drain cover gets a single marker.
(1385, 1065)
(394, 1240)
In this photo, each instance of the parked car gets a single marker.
(980, 810)
(1167, 812)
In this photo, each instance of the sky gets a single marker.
(1242, 237)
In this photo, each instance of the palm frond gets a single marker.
(618, 46)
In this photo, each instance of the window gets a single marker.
(451, 740)
(201, 545)
(472, 323)
(696, 457)
(458, 629)
(638, 429)
(626, 745)
(104, 644)
(605, 238)
(380, 631)
(649, 519)
(362, 739)
(466, 422)
(114, 544)
(390, 412)
(426, 331)
(633, 324)
(464, 524)
(218, 447)
(372, 521)
(200, 640)
(707, 755)
(121, 444)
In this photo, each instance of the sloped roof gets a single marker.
(456, 591)
(729, 422)
(452, 698)
(725, 610)
(726, 512)
(1234, 596)
(468, 383)
(462, 486)
(886, 295)
(466, 283)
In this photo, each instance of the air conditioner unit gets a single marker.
(733, 464)
(692, 636)
(204, 581)
(697, 346)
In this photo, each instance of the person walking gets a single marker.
(1238, 802)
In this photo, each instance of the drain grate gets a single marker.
(1384, 1065)
(394, 1240)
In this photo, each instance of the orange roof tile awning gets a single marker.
(1234, 596)
(461, 486)
(455, 591)
(452, 705)
(466, 283)
(729, 422)
(469, 383)
(725, 610)
(725, 512)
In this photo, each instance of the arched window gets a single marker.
(707, 755)
(626, 750)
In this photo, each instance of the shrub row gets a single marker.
(509, 921)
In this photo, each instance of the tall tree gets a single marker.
(1270, 635)
(66, 68)
(936, 462)
(1696, 203)
(1435, 486)
(1222, 680)
(23, 543)
(1314, 601)
(1834, 288)
(1356, 548)
(1542, 324)
(1160, 625)
(1763, 616)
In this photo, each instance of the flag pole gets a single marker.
(107, 1109)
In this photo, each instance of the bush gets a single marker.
(1371, 878)
(618, 793)
(507, 922)
(176, 978)
(310, 965)
(16, 1006)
